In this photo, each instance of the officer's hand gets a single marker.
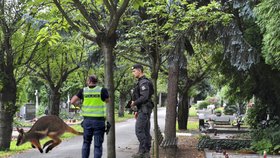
(132, 104)
(135, 115)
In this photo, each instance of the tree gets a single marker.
(54, 64)
(242, 64)
(17, 47)
(124, 84)
(267, 13)
(172, 91)
(160, 31)
(102, 19)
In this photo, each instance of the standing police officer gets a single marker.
(94, 113)
(141, 99)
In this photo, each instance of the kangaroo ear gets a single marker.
(20, 130)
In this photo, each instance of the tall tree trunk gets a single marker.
(172, 91)
(55, 102)
(7, 110)
(107, 48)
(122, 104)
(183, 111)
(8, 90)
(6, 128)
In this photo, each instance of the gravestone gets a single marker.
(30, 111)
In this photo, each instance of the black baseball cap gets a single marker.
(138, 66)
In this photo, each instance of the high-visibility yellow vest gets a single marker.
(93, 106)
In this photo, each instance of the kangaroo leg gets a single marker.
(37, 144)
(47, 143)
(56, 141)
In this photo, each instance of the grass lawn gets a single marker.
(192, 125)
(192, 112)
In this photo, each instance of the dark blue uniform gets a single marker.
(142, 94)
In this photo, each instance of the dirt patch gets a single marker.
(186, 148)
(187, 144)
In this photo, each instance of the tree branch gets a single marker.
(93, 23)
(71, 23)
(109, 6)
(114, 21)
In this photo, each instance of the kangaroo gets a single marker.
(51, 126)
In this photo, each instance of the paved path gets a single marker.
(126, 142)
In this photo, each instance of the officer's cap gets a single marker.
(138, 66)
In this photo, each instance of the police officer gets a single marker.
(94, 113)
(141, 99)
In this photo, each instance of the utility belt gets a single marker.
(146, 107)
(95, 118)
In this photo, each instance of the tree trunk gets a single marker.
(107, 48)
(172, 91)
(156, 130)
(6, 129)
(122, 104)
(7, 111)
(170, 120)
(55, 102)
(154, 77)
(183, 111)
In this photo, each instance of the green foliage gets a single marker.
(230, 109)
(262, 145)
(165, 21)
(267, 13)
(267, 138)
(203, 104)
(256, 114)
(236, 38)
(218, 111)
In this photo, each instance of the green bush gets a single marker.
(230, 109)
(267, 139)
(263, 145)
(256, 114)
(203, 104)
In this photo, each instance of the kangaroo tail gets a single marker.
(72, 130)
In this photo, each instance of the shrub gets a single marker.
(230, 109)
(203, 104)
(267, 139)
(263, 145)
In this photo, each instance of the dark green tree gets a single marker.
(17, 47)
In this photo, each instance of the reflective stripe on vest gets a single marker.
(93, 106)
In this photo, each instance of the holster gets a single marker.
(147, 107)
